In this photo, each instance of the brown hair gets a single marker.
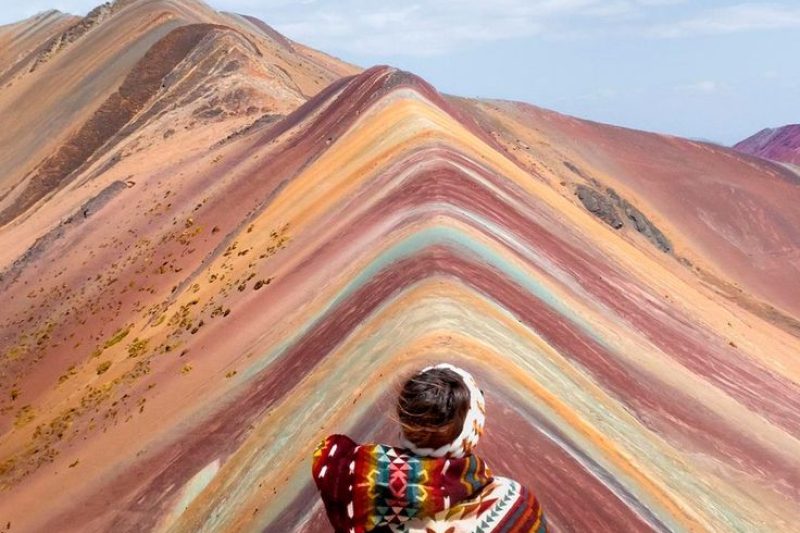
(432, 406)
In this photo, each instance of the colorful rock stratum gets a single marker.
(218, 245)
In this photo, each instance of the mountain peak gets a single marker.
(779, 144)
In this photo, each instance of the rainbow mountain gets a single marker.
(219, 245)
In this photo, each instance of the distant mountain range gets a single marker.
(779, 144)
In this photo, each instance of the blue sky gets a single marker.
(711, 69)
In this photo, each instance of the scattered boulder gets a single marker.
(614, 210)
(599, 204)
(574, 169)
(641, 222)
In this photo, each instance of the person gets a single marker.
(433, 482)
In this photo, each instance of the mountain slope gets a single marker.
(78, 81)
(27, 38)
(779, 144)
(730, 218)
(210, 291)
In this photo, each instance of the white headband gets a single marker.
(473, 421)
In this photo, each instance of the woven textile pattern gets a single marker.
(374, 487)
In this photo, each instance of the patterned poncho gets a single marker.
(378, 488)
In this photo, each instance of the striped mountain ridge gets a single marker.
(101, 82)
(187, 320)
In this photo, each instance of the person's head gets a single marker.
(441, 411)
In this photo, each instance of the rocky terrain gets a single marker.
(218, 245)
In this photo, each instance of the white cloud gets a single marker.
(365, 28)
(429, 27)
(732, 19)
(660, 2)
(700, 87)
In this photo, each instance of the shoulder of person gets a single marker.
(335, 439)
(334, 446)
